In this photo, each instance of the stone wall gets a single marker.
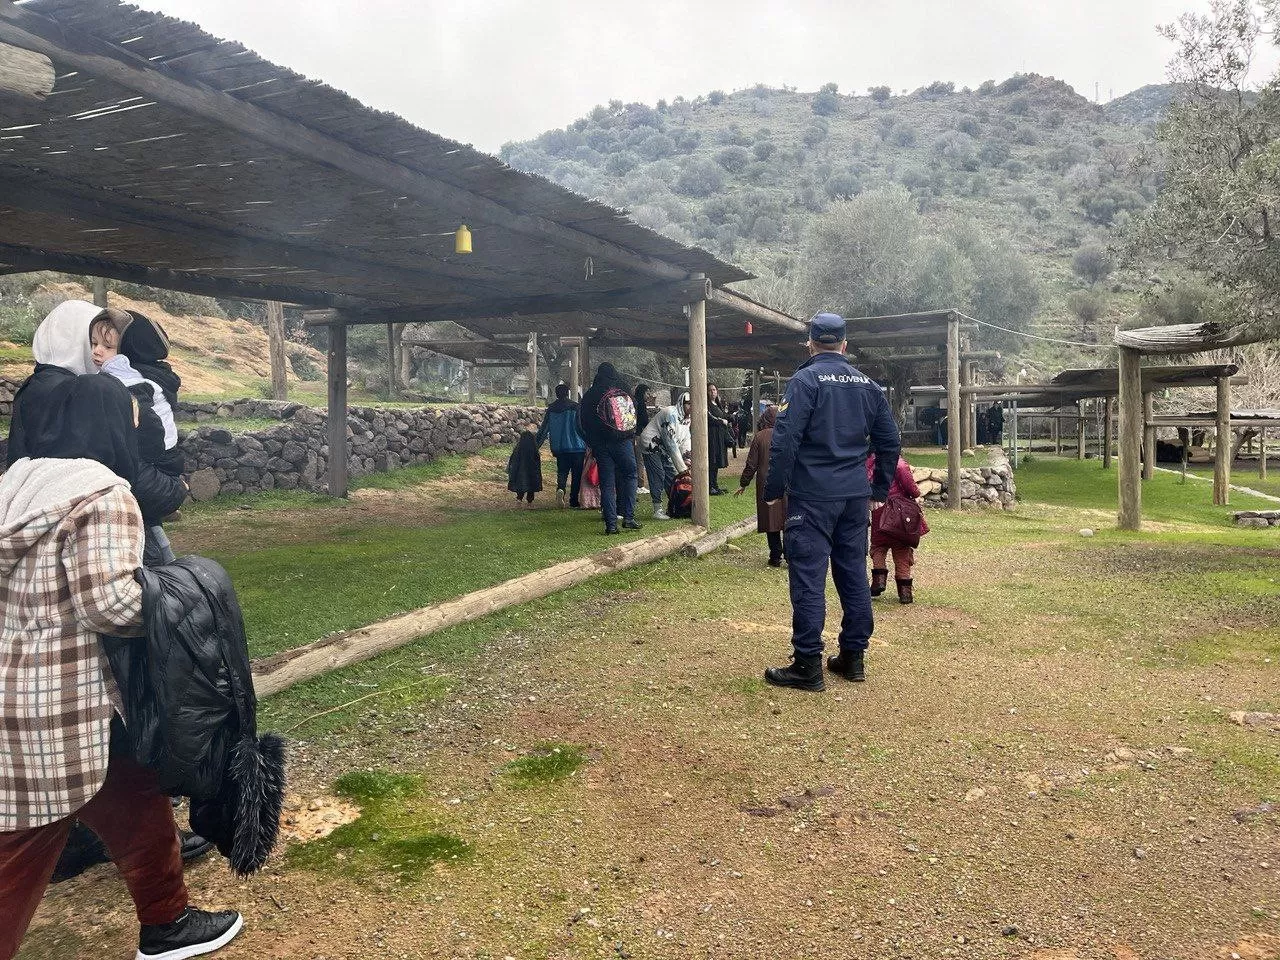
(7, 389)
(1257, 518)
(990, 488)
(295, 454)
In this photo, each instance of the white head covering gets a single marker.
(62, 338)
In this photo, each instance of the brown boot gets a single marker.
(879, 581)
(904, 591)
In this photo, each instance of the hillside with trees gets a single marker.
(1005, 200)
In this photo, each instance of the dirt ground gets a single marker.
(1040, 766)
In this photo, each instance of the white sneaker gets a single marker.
(660, 514)
(560, 498)
(640, 490)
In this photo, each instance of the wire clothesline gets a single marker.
(1036, 336)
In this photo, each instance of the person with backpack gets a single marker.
(607, 420)
(894, 533)
(560, 423)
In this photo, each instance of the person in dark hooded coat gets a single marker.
(524, 468)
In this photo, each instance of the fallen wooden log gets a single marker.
(282, 670)
(714, 541)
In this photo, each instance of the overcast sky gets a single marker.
(489, 71)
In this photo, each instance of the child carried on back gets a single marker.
(132, 348)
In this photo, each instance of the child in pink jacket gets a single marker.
(904, 557)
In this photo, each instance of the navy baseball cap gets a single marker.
(826, 328)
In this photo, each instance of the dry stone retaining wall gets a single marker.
(1258, 518)
(990, 488)
(295, 454)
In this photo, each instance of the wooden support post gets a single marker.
(587, 374)
(1262, 453)
(1148, 437)
(1108, 415)
(955, 439)
(575, 374)
(471, 383)
(275, 346)
(533, 369)
(1222, 451)
(777, 386)
(338, 410)
(1056, 426)
(1129, 474)
(1080, 425)
(99, 291)
(393, 368)
(698, 416)
(755, 399)
(966, 403)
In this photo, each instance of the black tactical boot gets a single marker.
(804, 673)
(879, 580)
(850, 665)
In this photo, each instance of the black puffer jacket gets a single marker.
(190, 709)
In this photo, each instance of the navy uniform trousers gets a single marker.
(818, 534)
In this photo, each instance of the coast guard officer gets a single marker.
(830, 417)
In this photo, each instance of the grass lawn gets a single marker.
(1245, 474)
(1040, 765)
(306, 565)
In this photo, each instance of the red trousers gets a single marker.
(134, 820)
(904, 559)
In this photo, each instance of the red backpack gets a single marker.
(900, 520)
(680, 497)
(617, 411)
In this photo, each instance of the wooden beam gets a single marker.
(25, 76)
(1148, 436)
(757, 311)
(25, 28)
(1108, 440)
(283, 670)
(27, 260)
(755, 399)
(1188, 337)
(392, 369)
(954, 438)
(471, 383)
(661, 294)
(533, 369)
(275, 347)
(1080, 433)
(100, 292)
(713, 541)
(966, 402)
(338, 411)
(1262, 453)
(698, 415)
(1222, 445)
(575, 381)
(1129, 474)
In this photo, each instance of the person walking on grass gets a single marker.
(770, 518)
(71, 543)
(883, 542)
(560, 423)
(607, 419)
(830, 418)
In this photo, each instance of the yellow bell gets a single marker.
(462, 240)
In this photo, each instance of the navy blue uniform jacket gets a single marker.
(830, 418)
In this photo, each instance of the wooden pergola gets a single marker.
(876, 346)
(150, 151)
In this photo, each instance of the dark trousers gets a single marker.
(661, 473)
(821, 534)
(569, 465)
(775, 545)
(617, 462)
(134, 820)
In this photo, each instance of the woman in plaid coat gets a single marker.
(71, 537)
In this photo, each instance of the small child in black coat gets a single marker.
(524, 468)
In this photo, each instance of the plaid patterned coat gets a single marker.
(71, 538)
